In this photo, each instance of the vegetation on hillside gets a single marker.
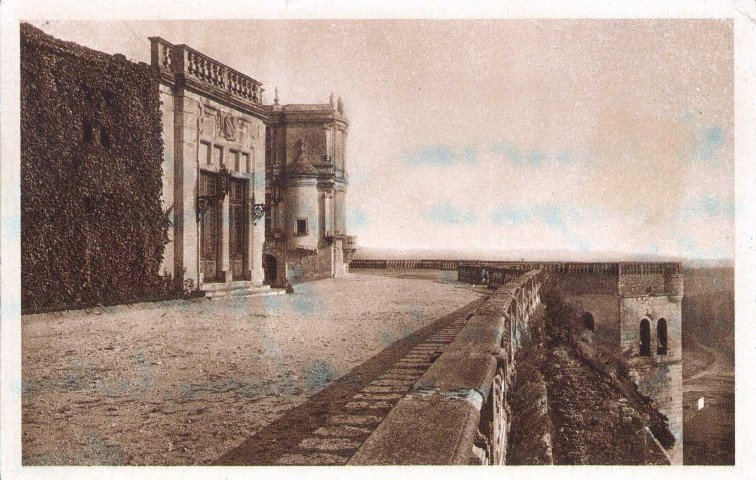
(564, 327)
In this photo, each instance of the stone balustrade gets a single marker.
(647, 268)
(191, 66)
(572, 268)
(457, 413)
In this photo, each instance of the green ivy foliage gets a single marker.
(93, 228)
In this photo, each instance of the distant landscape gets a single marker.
(708, 311)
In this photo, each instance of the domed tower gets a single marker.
(306, 192)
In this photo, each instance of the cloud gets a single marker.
(444, 212)
(708, 145)
(357, 219)
(551, 215)
(708, 206)
(442, 155)
(537, 158)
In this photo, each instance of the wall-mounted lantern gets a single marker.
(258, 212)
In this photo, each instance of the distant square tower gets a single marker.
(650, 318)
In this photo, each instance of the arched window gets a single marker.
(661, 337)
(588, 322)
(645, 338)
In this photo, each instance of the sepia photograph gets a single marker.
(377, 241)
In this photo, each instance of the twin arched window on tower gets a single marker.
(645, 337)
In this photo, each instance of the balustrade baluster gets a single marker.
(209, 71)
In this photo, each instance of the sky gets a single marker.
(587, 136)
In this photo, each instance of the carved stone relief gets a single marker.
(225, 124)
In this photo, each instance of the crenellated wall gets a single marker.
(463, 395)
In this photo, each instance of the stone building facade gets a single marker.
(650, 314)
(213, 169)
(305, 160)
(236, 171)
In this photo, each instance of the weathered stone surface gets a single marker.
(378, 396)
(482, 334)
(450, 396)
(386, 389)
(317, 458)
(404, 438)
(354, 420)
(371, 405)
(343, 431)
(389, 382)
(330, 444)
(460, 371)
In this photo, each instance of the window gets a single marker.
(217, 155)
(104, 137)
(661, 337)
(89, 129)
(268, 216)
(235, 160)
(246, 161)
(301, 226)
(269, 141)
(204, 153)
(645, 338)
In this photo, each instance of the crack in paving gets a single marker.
(332, 425)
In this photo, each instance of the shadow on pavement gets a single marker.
(283, 435)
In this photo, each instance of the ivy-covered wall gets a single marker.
(92, 224)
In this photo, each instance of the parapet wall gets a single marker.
(627, 279)
(463, 394)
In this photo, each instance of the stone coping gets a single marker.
(437, 422)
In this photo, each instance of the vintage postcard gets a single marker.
(365, 238)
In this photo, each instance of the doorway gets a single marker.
(210, 235)
(238, 229)
(270, 267)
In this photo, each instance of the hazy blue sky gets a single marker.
(589, 135)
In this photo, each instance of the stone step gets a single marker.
(240, 290)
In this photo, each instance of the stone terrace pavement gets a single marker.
(289, 379)
(331, 426)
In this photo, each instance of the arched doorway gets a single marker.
(645, 338)
(270, 267)
(661, 337)
(589, 323)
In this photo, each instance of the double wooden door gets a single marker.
(239, 228)
(211, 235)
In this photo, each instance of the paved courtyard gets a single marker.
(197, 382)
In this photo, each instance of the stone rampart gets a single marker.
(463, 395)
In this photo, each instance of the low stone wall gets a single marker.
(310, 267)
(571, 268)
(463, 395)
